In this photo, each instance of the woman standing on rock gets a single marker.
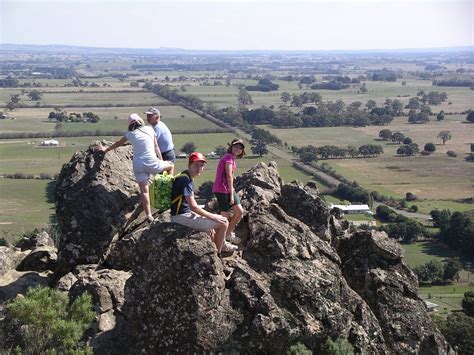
(223, 187)
(145, 156)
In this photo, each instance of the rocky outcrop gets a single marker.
(96, 198)
(300, 275)
(373, 267)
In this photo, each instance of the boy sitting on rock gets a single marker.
(186, 211)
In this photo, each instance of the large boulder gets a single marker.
(304, 203)
(373, 266)
(96, 197)
(176, 299)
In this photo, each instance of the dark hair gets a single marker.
(133, 126)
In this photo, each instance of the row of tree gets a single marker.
(311, 153)
(173, 94)
(63, 116)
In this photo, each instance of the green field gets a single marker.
(26, 204)
(111, 118)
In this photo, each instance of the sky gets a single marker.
(240, 24)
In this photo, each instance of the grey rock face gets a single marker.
(305, 204)
(10, 258)
(373, 267)
(96, 196)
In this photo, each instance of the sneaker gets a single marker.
(232, 238)
(229, 247)
(150, 219)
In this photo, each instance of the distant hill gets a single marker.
(66, 49)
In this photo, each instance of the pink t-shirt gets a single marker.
(220, 182)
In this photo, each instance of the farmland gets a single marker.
(113, 87)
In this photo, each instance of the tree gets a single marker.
(397, 137)
(408, 150)
(410, 197)
(397, 107)
(371, 104)
(385, 134)
(431, 272)
(15, 98)
(188, 147)
(440, 115)
(407, 140)
(430, 147)
(468, 303)
(245, 98)
(285, 97)
(445, 136)
(10, 106)
(259, 148)
(308, 157)
(458, 329)
(452, 267)
(470, 117)
(363, 89)
(220, 150)
(35, 95)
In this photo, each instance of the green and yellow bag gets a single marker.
(160, 191)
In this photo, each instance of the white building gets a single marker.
(50, 143)
(352, 208)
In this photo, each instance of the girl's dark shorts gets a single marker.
(223, 201)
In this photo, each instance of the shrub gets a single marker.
(299, 349)
(410, 197)
(339, 347)
(451, 153)
(430, 147)
(413, 208)
(46, 322)
(3, 242)
(470, 157)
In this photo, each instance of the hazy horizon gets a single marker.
(311, 25)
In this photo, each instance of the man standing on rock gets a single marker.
(186, 211)
(163, 134)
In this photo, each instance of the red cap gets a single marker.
(196, 156)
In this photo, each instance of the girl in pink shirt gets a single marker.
(223, 187)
